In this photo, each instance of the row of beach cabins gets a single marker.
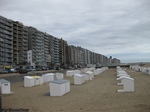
(125, 80)
(145, 70)
(58, 85)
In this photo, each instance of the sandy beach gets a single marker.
(97, 95)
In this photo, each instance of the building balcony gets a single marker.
(25, 41)
(5, 27)
(8, 42)
(9, 24)
(8, 55)
(25, 48)
(15, 36)
(8, 60)
(46, 52)
(45, 46)
(20, 40)
(46, 40)
(9, 33)
(8, 37)
(8, 46)
(25, 45)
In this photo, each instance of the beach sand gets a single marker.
(97, 95)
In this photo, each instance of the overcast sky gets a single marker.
(117, 28)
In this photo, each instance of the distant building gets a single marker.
(20, 43)
(23, 45)
(32, 42)
(62, 51)
(6, 40)
(54, 50)
(30, 61)
(38, 42)
(105, 59)
(88, 57)
(116, 61)
(79, 55)
(47, 56)
(84, 57)
(72, 54)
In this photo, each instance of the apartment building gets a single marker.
(97, 58)
(115, 60)
(54, 50)
(84, 57)
(38, 42)
(20, 43)
(32, 44)
(47, 56)
(72, 54)
(79, 55)
(6, 40)
(62, 51)
(88, 57)
(105, 60)
(69, 55)
(91, 57)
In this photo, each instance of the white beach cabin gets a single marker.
(84, 70)
(48, 77)
(29, 81)
(144, 70)
(91, 74)
(76, 71)
(79, 79)
(59, 87)
(148, 70)
(96, 72)
(69, 73)
(38, 80)
(5, 86)
(128, 84)
(121, 75)
(86, 76)
(121, 72)
(59, 75)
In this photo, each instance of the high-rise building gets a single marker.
(40, 49)
(32, 43)
(79, 55)
(20, 43)
(47, 56)
(88, 57)
(6, 40)
(38, 42)
(105, 60)
(72, 54)
(54, 50)
(84, 57)
(62, 51)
